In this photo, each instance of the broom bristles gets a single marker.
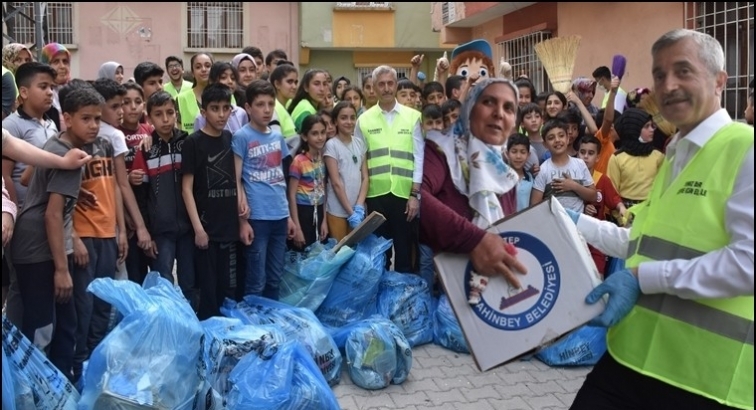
(650, 106)
(558, 57)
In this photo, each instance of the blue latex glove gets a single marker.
(354, 220)
(623, 290)
(573, 215)
(360, 210)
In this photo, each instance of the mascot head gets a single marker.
(473, 59)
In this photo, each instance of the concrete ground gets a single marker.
(442, 379)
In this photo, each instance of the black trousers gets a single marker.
(612, 386)
(217, 269)
(398, 229)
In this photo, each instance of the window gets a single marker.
(57, 22)
(401, 72)
(215, 25)
(448, 12)
(732, 24)
(362, 5)
(520, 53)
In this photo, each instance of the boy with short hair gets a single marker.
(259, 156)
(433, 118)
(433, 93)
(450, 109)
(99, 234)
(454, 87)
(518, 151)
(606, 195)
(167, 220)
(174, 66)
(210, 195)
(565, 177)
(42, 246)
(149, 76)
(531, 121)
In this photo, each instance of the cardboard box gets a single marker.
(509, 323)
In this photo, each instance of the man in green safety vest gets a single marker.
(395, 150)
(681, 313)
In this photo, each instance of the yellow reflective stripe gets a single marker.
(402, 155)
(380, 152)
(701, 316)
(661, 249)
(382, 169)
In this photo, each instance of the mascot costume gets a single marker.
(471, 60)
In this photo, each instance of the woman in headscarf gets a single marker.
(467, 187)
(15, 54)
(112, 71)
(585, 89)
(59, 58)
(245, 65)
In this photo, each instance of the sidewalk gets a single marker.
(442, 379)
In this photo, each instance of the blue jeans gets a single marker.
(265, 258)
(92, 313)
(427, 268)
(178, 248)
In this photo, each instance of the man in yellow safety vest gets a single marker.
(681, 313)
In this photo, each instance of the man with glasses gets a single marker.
(174, 66)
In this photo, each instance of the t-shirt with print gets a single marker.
(98, 221)
(576, 169)
(311, 179)
(349, 158)
(133, 139)
(606, 195)
(263, 178)
(30, 243)
(211, 162)
(21, 125)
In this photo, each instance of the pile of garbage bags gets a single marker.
(339, 311)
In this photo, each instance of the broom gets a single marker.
(650, 106)
(558, 56)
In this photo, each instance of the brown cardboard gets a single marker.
(509, 323)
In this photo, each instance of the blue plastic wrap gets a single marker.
(33, 381)
(406, 300)
(296, 323)
(356, 285)
(289, 380)
(151, 359)
(583, 347)
(446, 330)
(308, 277)
(377, 353)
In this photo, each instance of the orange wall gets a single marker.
(474, 7)
(359, 29)
(530, 16)
(637, 25)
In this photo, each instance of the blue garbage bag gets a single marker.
(32, 380)
(377, 353)
(405, 299)
(446, 330)
(308, 276)
(288, 380)
(296, 324)
(227, 340)
(356, 285)
(151, 359)
(583, 347)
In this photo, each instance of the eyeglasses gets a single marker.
(174, 65)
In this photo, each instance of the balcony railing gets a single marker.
(366, 5)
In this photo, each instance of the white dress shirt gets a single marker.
(724, 273)
(418, 141)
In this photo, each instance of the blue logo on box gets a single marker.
(519, 310)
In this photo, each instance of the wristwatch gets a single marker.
(415, 195)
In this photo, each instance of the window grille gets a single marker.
(215, 25)
(57, 21)
(731, 23)
(448, 12)
(520, 53)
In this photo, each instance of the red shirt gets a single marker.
(607, 196)
(133, 138)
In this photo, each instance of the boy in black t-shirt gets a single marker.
(42, 247)
(210, 195)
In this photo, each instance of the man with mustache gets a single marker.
(681, 313)
(395, 151)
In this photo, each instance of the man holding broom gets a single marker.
(681, 315)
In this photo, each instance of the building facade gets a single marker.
(350, 39)
(132, 32)
(606, 29)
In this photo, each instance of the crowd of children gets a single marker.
(210, 182)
